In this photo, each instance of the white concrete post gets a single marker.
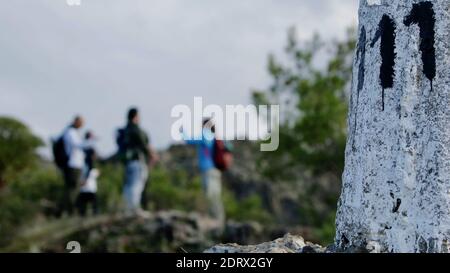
(396, 184)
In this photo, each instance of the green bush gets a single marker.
(23, 200)
(175, 191)
(110, 185)
(325, 232)
(34, 185)
(247, 209)
(14, 213)
(17, 148)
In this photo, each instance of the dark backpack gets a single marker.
(222, 156)
(121, 140)
(122, 143)
(59, 153)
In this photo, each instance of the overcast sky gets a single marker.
(99, 58)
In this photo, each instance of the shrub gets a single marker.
(17, 148)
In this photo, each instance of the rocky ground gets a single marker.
(165, 231)
(288, 244)
(292, 244)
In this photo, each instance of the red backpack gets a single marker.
(222, 156)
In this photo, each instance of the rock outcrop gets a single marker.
(164, 231)
(288, 244)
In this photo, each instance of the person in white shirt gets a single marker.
(74, 148)
(88, 189)
(88, 194)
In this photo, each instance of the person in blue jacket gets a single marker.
(211, 177)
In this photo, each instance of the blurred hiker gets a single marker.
(69, 157)
(88, 189)
(213, 157)
(136, 153)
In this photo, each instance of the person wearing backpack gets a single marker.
(137, 155)
(71, 144)
(212, 159)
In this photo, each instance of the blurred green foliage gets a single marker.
(17, 148)
(247, 209)
(174, 190)
(325, 231)
(110, 187)
(311, 86)
(32, 193)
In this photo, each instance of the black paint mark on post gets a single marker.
(423, 15)
(386, 31)
(361, 57)
(397, 205)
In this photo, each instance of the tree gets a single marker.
(311, 86)
(17, 148)
(313, 104)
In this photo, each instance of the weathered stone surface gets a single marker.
(287, 244)
(396, 184)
